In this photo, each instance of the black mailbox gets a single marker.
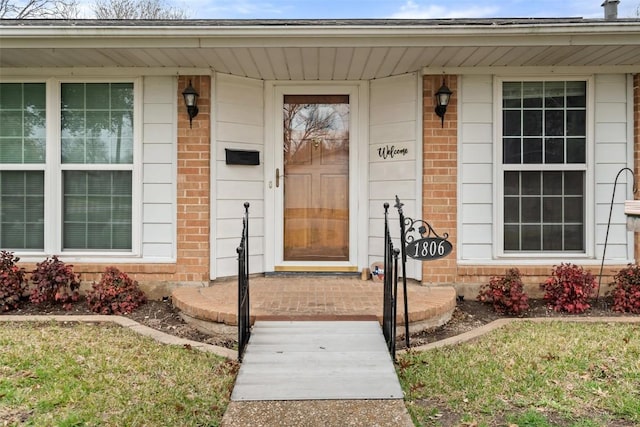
(242, 157)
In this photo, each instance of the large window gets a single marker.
(84, 186)
(544, 140)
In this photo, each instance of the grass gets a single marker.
(529, 374)
(70, 374)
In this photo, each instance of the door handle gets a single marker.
(277, 177)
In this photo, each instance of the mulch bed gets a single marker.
(468, 315)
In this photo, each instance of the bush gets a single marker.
(505, 293)
(569, 288)
(116, 293)
(54, 282)
(626, 293)
(12, 282)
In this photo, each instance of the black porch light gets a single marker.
(191, 101)
(443, 95)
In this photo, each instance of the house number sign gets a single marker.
(429, 248)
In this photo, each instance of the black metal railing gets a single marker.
(403, 259)
(389, 306)
(244, 319)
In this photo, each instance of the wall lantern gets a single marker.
(191, 101)
(443, 95)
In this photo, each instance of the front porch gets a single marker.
(311, 297)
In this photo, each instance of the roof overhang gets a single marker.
(323, 50)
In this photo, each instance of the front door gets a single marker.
(315, 178)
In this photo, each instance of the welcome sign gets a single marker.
(394, 151)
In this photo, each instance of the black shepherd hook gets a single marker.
(604, 250)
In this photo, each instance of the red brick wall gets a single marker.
(193, 184)
(440, 171)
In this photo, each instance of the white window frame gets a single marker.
(53, 168)
(588, 168)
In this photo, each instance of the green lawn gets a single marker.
(526, 374)
(529, 374)
(71, 374)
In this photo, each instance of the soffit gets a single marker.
(323, 52)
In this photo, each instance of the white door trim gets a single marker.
(358, 171)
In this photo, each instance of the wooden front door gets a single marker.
(316, 177)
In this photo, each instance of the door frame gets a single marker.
(358, 174)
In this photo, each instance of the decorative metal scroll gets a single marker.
(421, 241)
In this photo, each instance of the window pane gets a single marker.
(11, 124)
(554, 94)
(512, 95)
(531, 209)
(10, 150)
(97, 123)
(554, 122)
(573, 209)
(573, 238)
(552, 238)
(512, 183)
(96, 99)
(121, 96)
(532, 153)
(576, 123)
(576, 148)
(72, 96)
(512, 209)
(512, 238)
(552, 183)
(97, 208)
(22, 210)
(532, 94)
(531, 238)
(532, 123)
(554, 150)
(552, 209)
(11, 96)
(511, 123)
(531, 183)
(576, 94)
(512, 150)
(574, 183)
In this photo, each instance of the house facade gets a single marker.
(317, 124)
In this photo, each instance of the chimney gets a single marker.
(610, 9)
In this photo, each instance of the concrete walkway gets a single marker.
(316, 361)
(317, 374)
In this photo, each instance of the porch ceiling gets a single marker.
(321, 50)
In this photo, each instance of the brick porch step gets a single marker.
(313, 298)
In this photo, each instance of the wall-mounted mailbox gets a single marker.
(242, 157)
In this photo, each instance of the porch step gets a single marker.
(306, 360)
(214, 308)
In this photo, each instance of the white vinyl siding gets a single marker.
(476, 168)
(159, 169)
(239, 124)
(613, 151)
(394, 119)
